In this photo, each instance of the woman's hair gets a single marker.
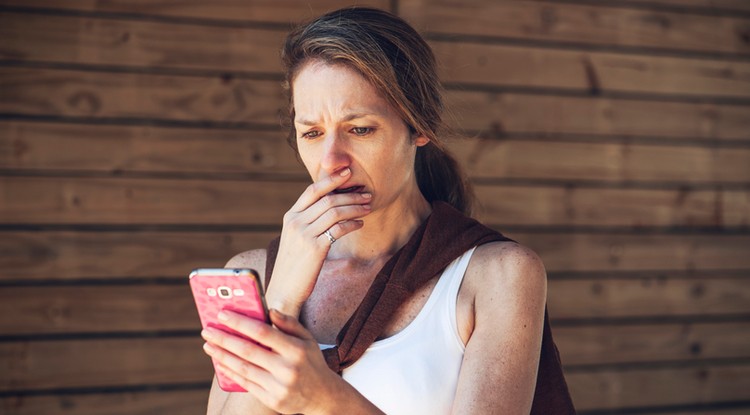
(395, 59)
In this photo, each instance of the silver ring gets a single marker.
(330, 237)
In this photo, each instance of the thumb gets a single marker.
(289, 325)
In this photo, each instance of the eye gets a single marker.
(311, 134)
(362, 131)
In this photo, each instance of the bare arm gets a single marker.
(499, 369)
(310, 385)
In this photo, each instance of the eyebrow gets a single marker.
(347, 118)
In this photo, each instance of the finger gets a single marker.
(340, 229)
(261, 332)
(227, 360)
(289, 325)
(253, 387)
(246, 350)
(321, 188)
(332, 201)
(335, 216)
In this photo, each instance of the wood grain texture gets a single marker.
(70, 255)
(581, 24)
(648, 297)
(567, 251)
(263, 11)
(198, 201)
(138, 96)
(121, 149)
(507, 66)
(68, 93)
(710, 5)
(617, 162)
(46, 147)
(137, 43)
(177, 45)
(98, 309)
(147, 201)
(146, 307)
(159, 361)
(40, 365)
(496, 114)
(651, 342)
(647, 387)
(164, 402)
(570, 206)
(66, 255)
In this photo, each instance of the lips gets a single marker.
(351, 189)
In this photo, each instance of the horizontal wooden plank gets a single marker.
(515, 66)
(568, 206)
(581, 24)
(588, 345)
(163, 402)
(653, 387)
(133, 95)
(128, 43)
(719, 408)
(620, 162)
(648, 297)
(710, 5)
(278, 11)
(69, 93)
(137, 43)
(152, 201)
(200, 201)
(46, 364)
(85, 255)
(64, 255)
(149, 308)
(567, 251)
(116, 148)
(495, 114)
(97, 309)
(55, 364)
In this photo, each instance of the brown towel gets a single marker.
(443, 237)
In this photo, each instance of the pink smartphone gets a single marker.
(238, 290)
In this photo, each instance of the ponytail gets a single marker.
(440, 178)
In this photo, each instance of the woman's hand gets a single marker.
(304, 246)
(285, 370)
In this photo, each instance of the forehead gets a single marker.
(335, 88)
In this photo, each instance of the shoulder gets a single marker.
(255, 259)
(507, 270)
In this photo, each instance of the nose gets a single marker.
(335, 155)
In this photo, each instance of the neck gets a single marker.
(385, 230)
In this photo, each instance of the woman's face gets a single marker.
(341, 121)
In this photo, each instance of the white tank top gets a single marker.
(416, 370)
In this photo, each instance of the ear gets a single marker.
(421, 141)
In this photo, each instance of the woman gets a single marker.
(417, 308)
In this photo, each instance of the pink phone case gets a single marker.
(238, 290)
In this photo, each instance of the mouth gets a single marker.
(351, 189)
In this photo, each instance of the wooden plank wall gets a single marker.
(140, 139)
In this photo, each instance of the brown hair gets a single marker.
(395, 59)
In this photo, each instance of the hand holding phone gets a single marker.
(238, 290)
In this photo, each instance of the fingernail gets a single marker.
(345, 172)
(367, 195)
(208, 348)
(367, 206)
(223, 316)
(206, 334)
